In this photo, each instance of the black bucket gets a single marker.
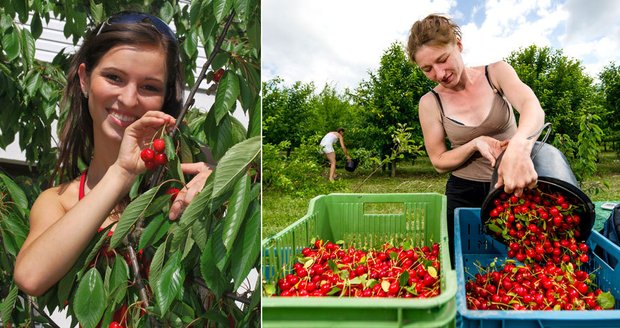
(351, 165)
(554, 175)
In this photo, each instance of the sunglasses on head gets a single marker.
(129, 17)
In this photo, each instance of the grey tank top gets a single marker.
(499, 124)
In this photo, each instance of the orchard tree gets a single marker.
(286, 112)
(390, 97)
(151, 271)
(331, 110)
(610, 87)
(570, 101)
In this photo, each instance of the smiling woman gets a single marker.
(124, 86)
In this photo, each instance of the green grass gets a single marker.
(280, 210)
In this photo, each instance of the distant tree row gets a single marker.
(584, 113)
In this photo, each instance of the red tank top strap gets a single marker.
(82, 183)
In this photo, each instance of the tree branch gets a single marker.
(42, 313)
(156, 178)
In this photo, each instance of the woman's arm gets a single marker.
(514, 172)
(445, 160)
(344, 149)
(58, 234)
(57, 238)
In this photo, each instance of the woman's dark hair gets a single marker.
(340, 130)
(76, 133)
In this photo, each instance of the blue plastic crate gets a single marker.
(473, 245)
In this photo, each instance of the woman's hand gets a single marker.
(516, 171)
(201, 171)
(490, 148)
(136, 137)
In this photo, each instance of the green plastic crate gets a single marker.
(364, 219)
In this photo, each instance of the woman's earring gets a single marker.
(85, 95)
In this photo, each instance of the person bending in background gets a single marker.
(327, 144)
(473, 108)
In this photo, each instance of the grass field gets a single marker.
(280, 210)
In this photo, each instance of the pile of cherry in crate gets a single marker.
(546, 264)
(328, 269)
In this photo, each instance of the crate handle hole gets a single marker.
(384, 208)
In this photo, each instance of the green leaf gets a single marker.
(190, 44)
(246, 95)
(17, 194)
(134, 211)
(28, 48)
(235, 212)
(96, 10)
(88, 304)
(254, 128)
(221, 9)
(119, 279)
(36, 27)
(166, 12)
(494, 228)
(170, 147)
(253, 33)
(33, 84)
(16, 228)
(9, 243)
(242, 9)
(154, 231)
(403, 280)
(169, 283)
(156, 264)
(94, 250)
(185, 152)
(606, 300)
(234, 164)
(217, 250)
(194, 13)
(11, 44)
(210, 273)
(189, 245)
(269, 289)
(226, 96)
(199, 232)
(332, 265)
(194, 211)
(157, 205)
(135, 187)
(21, 7)
(6, 308)
(221, 58)
(247, 247)
(219, 136)
(208, 27)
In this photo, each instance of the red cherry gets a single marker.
(150, 165)
(218, 75)
(160, 159)
(173, 193)
(147, 154)
(115, 324)
(159, 145)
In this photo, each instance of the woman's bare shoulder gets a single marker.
(56, 199)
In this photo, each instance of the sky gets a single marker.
(337, 42)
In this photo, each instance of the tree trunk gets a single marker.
(393, 171)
